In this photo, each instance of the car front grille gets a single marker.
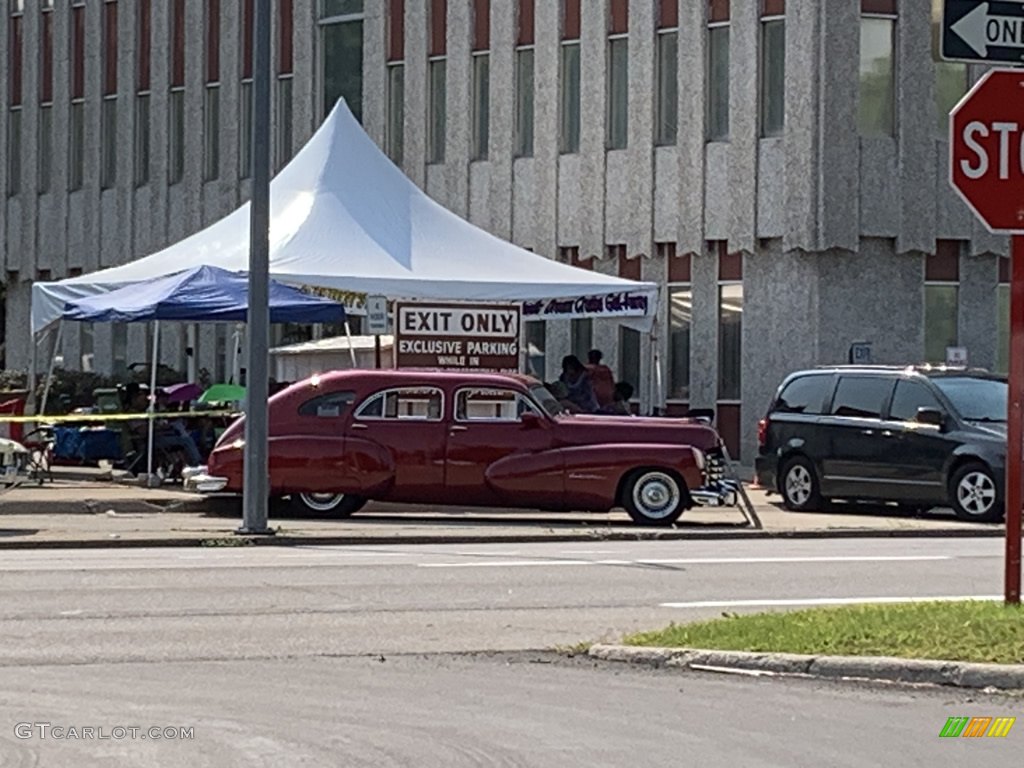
(715, 466)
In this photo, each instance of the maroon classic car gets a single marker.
(340, 439)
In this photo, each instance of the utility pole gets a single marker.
(255, 493)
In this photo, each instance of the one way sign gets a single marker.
(982, 30)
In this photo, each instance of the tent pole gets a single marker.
(152, 400)
(53, 362)
(351, 349)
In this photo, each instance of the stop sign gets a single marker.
(986, 150)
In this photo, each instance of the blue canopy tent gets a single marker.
(200, 294)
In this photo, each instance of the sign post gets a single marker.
(376, 322)
(986, 168)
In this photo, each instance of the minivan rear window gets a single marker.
(806, 394)
(861, 396)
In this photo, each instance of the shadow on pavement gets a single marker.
(403, 515)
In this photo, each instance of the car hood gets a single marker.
(643, 429)
(992, 429)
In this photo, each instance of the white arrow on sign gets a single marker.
(979, 30)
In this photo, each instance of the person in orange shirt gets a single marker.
(601, 378)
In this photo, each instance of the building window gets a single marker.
(14, 151)
(211, 133)
(108, 147)
(44, 139)
(718, 83)
(876, 110)
(481, 106)
(395, 127)
(730, 340)
(524, 103)
(436, 124)
(283, 145)
(940, 320)
(680, 317)
(245, 131)
(666, 119)
(176, 136)
(1003, 326)
(569, 79)
(773, 76)
(341, 26)
(141, 139)
(941, 300)
(617, 114)
(141, 126)
(536, 348)
(176, 101)
(581, 337)
(45, 151)
(76, 148)
(950, 87)
(396, 112)
(211, 98)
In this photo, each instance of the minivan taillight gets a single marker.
(762, 432)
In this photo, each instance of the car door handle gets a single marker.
(457, 428)
(868, 432)
(887, 433)
(358, 426)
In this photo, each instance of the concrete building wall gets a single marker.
(832, 227)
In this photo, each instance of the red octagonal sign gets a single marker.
(986, 150)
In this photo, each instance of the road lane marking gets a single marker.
(822, 601)
(689, 561)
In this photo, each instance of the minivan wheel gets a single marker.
(974, 495)
(327, 504)
(799, 485)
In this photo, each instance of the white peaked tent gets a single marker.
(342, 216)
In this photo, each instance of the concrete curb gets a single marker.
(961, 674)
(90, 506)
(222, 537)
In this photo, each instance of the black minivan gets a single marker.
(919, 436)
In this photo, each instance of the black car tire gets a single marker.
(798, 485)
(327, 504)
(654, 497)
(974, 494)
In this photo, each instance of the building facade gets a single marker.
(779, 166)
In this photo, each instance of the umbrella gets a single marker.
(223, 393)
(182, 393)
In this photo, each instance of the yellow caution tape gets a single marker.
(100, 417)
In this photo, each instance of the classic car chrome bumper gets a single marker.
(199, 480)
(718, 493)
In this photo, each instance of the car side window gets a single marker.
(331, 405)
(481, 404)
(861, 396)
(406, 403)
(909, 396)
(806, 394)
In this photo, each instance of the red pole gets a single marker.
(1015, 423)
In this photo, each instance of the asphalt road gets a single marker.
(316, 656)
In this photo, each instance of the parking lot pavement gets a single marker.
(84, 513)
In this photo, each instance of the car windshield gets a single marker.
(546, 400)
(975, 399)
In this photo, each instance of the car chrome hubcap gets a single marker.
(656, 495)
(798, 485)
(321, 502)
(976, 493)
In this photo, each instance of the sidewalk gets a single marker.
(75, 511)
